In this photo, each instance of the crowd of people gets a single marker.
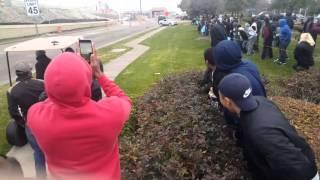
(276, 31)
(74, 131)
(271, 147)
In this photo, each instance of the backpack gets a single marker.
(15, 134)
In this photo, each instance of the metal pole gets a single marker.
(140, 7)
(9, 71)
(37, 30)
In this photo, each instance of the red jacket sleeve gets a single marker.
(266, 33)
(316, 29)
(117, 99)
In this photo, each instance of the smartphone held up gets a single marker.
(86, 49)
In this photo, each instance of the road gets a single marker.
(100, 36)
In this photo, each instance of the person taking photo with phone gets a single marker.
(79, 136)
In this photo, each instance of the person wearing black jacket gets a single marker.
(42, 62)
(271, 146)
(303, 53)
(267, 34)
(243, 39)
(21, 96)
(290, 21)
(312, 28)
(217, 33)
(258, 24)
(212, 75)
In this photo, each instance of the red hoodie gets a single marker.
(79, 137)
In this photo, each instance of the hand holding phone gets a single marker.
(95, 63)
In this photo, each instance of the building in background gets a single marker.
(5, 2)
(156, 12)
(102, 7)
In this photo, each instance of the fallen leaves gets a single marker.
(305, 117)
(304, 85)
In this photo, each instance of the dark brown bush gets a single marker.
(303, 85)
(180, 136)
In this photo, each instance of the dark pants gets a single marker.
(267, 50)
(40, 163)
(256, 44)
(283, 51)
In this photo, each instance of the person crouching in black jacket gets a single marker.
(21, 96)
(272, 147)
(212, 76)
(304, 52)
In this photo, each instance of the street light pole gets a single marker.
(140, 7)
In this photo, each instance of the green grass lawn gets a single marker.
(106, 54)
(175, 49)
(4, 117)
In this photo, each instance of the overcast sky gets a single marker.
(119, 5)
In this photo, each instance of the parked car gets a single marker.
(168, 22)
(160, 18)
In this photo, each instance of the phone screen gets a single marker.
(85, 48)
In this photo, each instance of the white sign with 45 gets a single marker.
(32, 7)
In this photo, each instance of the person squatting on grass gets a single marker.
(21, 96)
(78, 135)
(303, 53)
(271, 146)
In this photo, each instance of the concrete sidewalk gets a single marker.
(25, 154)
(116, 66)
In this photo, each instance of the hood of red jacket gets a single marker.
(68, 80)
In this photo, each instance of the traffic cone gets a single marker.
(59, 30)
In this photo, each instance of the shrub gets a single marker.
(304, 85)
(180, 136)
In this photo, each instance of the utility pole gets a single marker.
(140, 7)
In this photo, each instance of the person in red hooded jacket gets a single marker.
(79, 136)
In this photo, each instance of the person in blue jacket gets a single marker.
(285, 39)
(228, 57)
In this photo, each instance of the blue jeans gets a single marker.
(40, 163)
